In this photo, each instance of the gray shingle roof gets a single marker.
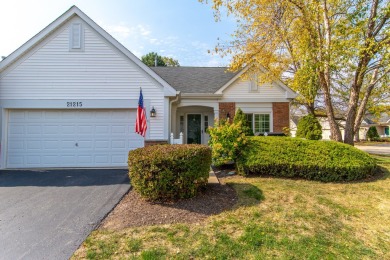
(195, 79)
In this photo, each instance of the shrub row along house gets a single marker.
(68, 98)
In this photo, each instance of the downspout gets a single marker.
(170, 113)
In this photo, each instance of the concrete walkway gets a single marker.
(382, 149)
(212, 178)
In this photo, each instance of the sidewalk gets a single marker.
(382, 149)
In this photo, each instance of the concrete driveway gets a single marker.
(383, 149)
(47, 214)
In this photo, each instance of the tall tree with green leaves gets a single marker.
(315, 45)
(162, 61)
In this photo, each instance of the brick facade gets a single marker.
(281, 115)
(155, 142)
(225, 108)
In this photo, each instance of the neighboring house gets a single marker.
(68, 98)
(382, 125)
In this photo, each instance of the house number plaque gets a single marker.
(74, 104)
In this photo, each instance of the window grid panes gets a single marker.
(249, 119)
(262, 123)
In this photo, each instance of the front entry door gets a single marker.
(194, 129)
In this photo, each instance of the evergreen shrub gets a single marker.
(372, 134)
(169, 172)
(309, 127)
(325, 161)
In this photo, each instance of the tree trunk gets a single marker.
(362, 107)
(357, 138)
(324, 76)
(335, 133)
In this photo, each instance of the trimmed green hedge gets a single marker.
(315, 160)
(169, 172)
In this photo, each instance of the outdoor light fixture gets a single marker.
(153, 112)
(228, 116)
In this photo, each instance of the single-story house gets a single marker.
(382, 125)
(68, 98)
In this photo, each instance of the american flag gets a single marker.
(140, 122)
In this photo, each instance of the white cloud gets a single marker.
(143, 30)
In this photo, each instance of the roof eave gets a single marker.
(201, 95)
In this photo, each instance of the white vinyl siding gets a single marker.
(242, 90)
(51, 72)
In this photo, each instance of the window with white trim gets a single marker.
(76, 37)
(262, 123)
(259, 123)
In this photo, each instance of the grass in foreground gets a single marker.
(274, 219)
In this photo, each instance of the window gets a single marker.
(261, 123)
(76, 37)
(249, 120)
(254, 86)
(206, 123)
(254, 83)
(181, 124)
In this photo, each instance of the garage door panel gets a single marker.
(16, 129)
(85, 160)
(102, 159)
(16, 145)
(51, 144)
(68, 144)
(102, 144)
(50, 160)
(118, 158)
(34, 145)
(34, 130)
(17, 115)
(50, 129)
(33, 114)
(70, 138)
(15, 161)
(85, 144)
(68, 129)
(118, 144)
(118, 129)
(67, 160)
(85, 129)
(102, 129)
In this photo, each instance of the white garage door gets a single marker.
(70, 138)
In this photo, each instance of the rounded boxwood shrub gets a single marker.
(314, 160)
(169, 172)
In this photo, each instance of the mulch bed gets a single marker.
(134, 211)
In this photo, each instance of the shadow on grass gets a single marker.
(216, 198)
(248, 194)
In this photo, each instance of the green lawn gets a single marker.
(274, 219)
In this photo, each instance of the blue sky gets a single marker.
(182, 29)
